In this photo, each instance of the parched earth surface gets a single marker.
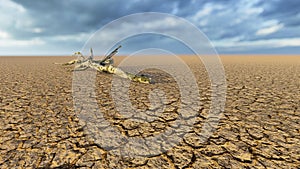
(42, 126)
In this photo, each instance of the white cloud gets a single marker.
(37, 30)
(10, 13)
(207, 10)
(288, 42)
(81, 37)
(269, 43)
(4, 35)
(8, 4)
(13, 15)
(21, 43)
(248, 7)
(269, 30)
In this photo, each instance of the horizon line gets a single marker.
(234, 54)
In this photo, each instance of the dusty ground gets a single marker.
(259, 129)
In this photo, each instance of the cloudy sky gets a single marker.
(56, 27)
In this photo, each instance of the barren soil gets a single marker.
(259, 128)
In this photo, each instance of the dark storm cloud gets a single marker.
(73, 16)
(286, 11)
(58, 17)
(59, 22)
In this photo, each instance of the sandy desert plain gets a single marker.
(260, 127)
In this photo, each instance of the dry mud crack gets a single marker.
(259, 129)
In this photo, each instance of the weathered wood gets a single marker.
(104, 65)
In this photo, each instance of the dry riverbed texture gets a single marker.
(40, 127)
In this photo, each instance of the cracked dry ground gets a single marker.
(259, 129)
